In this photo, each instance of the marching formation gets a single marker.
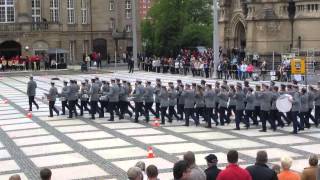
(201, 102)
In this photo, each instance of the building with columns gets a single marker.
(263, 26)
(78, 27)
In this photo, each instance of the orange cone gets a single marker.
(156, 122)
(29, 115)
(150, 152)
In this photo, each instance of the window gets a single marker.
(84, 11)
(72, 50)
(86, 47)
(7, 11)
(111, 5)
(71, 12)
(128, 28)
(36, 10)
(128, 13)
(112, 24)
(54, 10)
(128, 4)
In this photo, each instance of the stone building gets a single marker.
(263, 26)
(30, 27)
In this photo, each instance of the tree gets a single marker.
(173, 24)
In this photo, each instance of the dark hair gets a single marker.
(232, 156)
(190, 158)
(262, 157)
(45, 174)
(179, 168)
(152, 171)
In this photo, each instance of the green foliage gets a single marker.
(173, 24)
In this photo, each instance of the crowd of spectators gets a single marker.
(233, 66)
(187, 169)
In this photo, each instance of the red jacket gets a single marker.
(234, 172)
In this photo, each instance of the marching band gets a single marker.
(250, 106)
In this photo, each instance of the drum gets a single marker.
(103, 98)
(283, 103)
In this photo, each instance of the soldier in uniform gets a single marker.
(295, 109)
(282, 115)
(94, 98)
(180, 106)
(189, 100)
(173, 95)
(84, 91)
(274, 113)
(72, 98)
(123, 99)
(250, 99)
(157, 100)
(232, 101)
(304, 109)
(138, 100)
(240, 106)
(311, 97)
(199, 100)
(113, 96)
(216, 91)
(148, 100)
(223, 105)
(64, 96)
(31, 92)
(209, 100)
(317, 104)
(266, 97)
(164, 103)
(257, 107)
(104, 98)
(53, 93)
(98, 82)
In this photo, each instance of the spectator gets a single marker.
(15, 177)
(142, 166)
(196, 172)
(286, 173)
(276, 168)
(310, 173)
(233, 171)
(212, 171)
(134, 173)
(152, 172)
(45, 174)
(260, 171)
(181, 171)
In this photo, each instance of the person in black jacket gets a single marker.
(212, 171)
(260, 170)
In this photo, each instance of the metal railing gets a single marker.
(30, 27)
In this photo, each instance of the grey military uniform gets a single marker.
(84, 91)
(94, 92)
(199, 100)
(31, 88)
(209, 99)
(138, 93)
(189, 98)
(73, 92)
(64, 92)
(311, 97)
(275, 96)
(113, 94)
(124, 92)
(250, 99)
(240, 98)
(304, 107)
(317, 98)
(148, 94)
(164, 98)
(157, 92)
(295, 102)
(223, 99)
(265, 99)
(232, 100)
(173, 95)
(53, 93)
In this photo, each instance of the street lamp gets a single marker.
(291, 13)
(215, 38)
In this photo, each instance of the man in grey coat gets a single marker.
(31, 92)
(189, 100)
(148, 100)
(113, 96)
(94, 98)
(53, 93)
(138, 100)
(72, 98)
(64, 97)
(266, 98)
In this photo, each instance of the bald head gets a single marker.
(15, 177)
(190, 158)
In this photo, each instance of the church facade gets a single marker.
(265, 26)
